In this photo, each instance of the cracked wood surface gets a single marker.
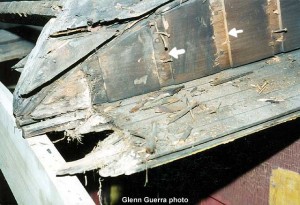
(29, 166)
(93, 71)
(226, 112)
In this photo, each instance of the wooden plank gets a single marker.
(69, 95)
(29, 166)
(15, 50)
(225, 93)
(7, 37)
(206, 48)
(29, 12)
(119, 65)
(190, 29)
(136, 60)
(110, 79)
(249, 18)
(290, 20)
(13, 47)
(229, 137)
(47, 56)
(241, 112)
(82, 14)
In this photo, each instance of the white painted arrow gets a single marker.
(175, 53)
(233, 32)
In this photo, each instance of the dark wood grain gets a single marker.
(290, 11)
(190, 29)
(253, 43)
(128, 66)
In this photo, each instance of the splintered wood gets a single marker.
(222, 114)
(133, 76)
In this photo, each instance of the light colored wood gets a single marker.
(29, 165)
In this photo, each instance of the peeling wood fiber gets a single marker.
(104, 60)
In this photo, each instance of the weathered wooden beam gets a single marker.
(226, 112)
(29, 12)
(13, 47)
(29, 166)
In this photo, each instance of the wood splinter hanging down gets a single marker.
(143, 70)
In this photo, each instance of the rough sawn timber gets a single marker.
(226, 112)
(132, 48)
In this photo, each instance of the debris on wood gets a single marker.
(110, 149)
(96, 123)
(219, 81)
(194, 89)
(171, 90)
(138, 106)
(186, 134)
(163, 109)
(191, 111)
(198, 92)
(112, 107)
(160, 98)
(263, 87)
(213, 111)
(183, 112)
(271, 100)
(275, 59)
(284, 30)
(291, 58)
(124, 78)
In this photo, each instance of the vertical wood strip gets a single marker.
(218, 21)
(226, 30)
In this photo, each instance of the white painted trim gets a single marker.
(29, 167)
